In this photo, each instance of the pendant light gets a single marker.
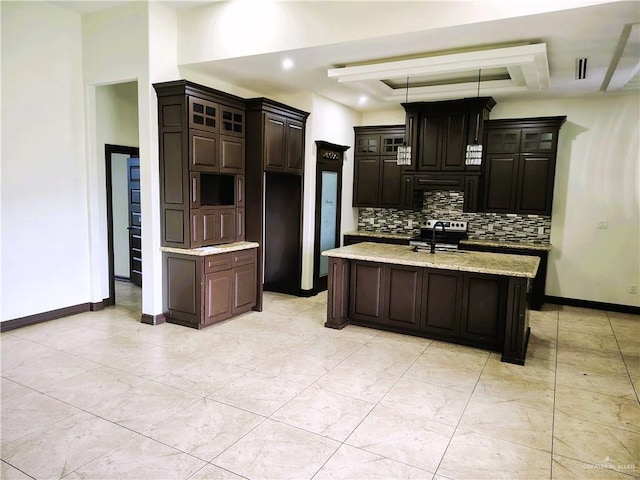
(474, 150)
(404, 150)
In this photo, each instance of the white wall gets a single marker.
(45, 243)
(331, 122)
(597, 178)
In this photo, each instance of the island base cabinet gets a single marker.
(516, 335)
(442, 293)
(475, 309)
(202, 290)
(338, 293)
(483, 311)
(386, 295)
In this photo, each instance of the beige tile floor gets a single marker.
(275, 395)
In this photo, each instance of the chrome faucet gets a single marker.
(433, 235)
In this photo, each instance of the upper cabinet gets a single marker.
(519, 165)
(202, 163)
(283, 133)
(377, 178)
(439, 133)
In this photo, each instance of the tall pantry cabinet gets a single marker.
(275, 138)
(209, 272)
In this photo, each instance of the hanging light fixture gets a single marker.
(474, 150)
(404, 150)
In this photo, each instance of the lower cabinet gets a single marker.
(386, 294)
(536, 296)
(200, 291)
(461, 307)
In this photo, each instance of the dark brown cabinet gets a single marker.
(439, 133)
(377, 176)
(202, 290)
(461, 307)
(443, 297)
(283, 144)
(386, 294)
(201, 133)
(273, 180)
(519, 166)
(536, 296)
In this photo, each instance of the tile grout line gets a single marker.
(461, 415)
(635, 389)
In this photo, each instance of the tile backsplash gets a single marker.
(448, 205)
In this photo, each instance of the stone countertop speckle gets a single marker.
(465, 261)
(364, 233)
(505, 244)
(213, 250)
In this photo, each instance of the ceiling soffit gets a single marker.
(524, 68)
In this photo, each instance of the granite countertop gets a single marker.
(465, 261)
(505, 244)
(213, 250)
(364, 233)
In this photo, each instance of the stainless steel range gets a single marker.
(439, 235)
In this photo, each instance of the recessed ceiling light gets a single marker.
(362, 100)
(287, 64)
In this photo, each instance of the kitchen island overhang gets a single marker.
(477, 299)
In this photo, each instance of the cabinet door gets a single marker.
(204, 151)
(471, 192)
(539, 140)
(503, 140)
(453, 141)
(407, 193)
(244, 288)
(535, 185)
(240, 236)
(182, 276)
(232, 121)
(365, 182)
(390, 142)
(217, 297)
(389, 195)
(295, 147)
(429, 157)
(274, 142)
(483, 313)
(204, 115)
(367, 144)
(500, 183)
(366, 292)
(442, 296)
(209, 220)
(240, 192)
(196, 229)
(226, 225)
(403, 291)
(231, 154)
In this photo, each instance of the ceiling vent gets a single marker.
(581, 68)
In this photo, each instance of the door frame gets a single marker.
(109, 150)
(329, 158)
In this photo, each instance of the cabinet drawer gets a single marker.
(217, 263)
(244, 257)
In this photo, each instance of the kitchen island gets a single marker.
(470, 298)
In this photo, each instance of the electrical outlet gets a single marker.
(603, 224)
(540, 230)
(490, 227)
(633, 289)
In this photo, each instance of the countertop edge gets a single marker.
(445, 261)
(212, 250)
